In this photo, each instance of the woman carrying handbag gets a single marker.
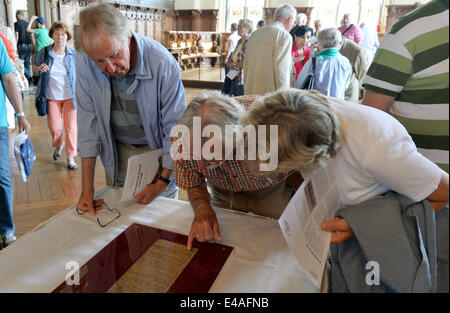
(55, 94)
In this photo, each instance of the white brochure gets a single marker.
(316, 200)
(232, 74)
(141, 171)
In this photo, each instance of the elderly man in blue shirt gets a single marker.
(130, 94)
(333, 70)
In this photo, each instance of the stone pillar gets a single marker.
(10, 13)
(54, 8)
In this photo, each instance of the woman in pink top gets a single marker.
(300, 50)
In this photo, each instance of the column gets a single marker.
(10, 13)
(54, 10)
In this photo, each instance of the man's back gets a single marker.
(268, 62)
(411, 66)
(21, 28)
(358, 61)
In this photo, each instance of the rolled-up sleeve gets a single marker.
(89, 143)
(173, 104)
(186, 177)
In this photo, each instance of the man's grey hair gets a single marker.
(301, 19)
(329, 38)
(214, 109)
(99, 20)
(308, 127)
(285, 11)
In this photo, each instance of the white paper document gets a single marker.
(141, 171)
(315, 201)
(232, 74)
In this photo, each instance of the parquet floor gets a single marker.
(52, 187)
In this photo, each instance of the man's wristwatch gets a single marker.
(20, 114)
(163, 179)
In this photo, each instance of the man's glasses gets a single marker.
(107, 214)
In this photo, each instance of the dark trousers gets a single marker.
(227, 83)
(25, 52)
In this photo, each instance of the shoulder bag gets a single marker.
(41, 100)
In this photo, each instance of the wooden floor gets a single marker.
(52, 187)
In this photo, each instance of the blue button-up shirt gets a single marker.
(160, 97)
(332, 75)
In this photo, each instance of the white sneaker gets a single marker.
(57, 153)
(71, 165)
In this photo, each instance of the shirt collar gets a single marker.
(328, 53)
(278, 24)
(138, 67)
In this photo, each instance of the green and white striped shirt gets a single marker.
(412, 66)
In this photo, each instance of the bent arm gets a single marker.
(29, 29)
(377, 100)
(439, 198)
(13, 94)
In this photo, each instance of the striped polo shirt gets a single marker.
(412, 66)
(126, 121)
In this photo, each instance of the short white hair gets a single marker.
(99, 19)
(301, 19)
(285, 11)
(214, 108)
(329, 38)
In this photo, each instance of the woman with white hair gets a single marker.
(331, 70)
(370, 150)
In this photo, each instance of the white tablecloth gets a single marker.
(260, 261)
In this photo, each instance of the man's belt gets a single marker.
(139, 145)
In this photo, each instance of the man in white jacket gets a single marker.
(268, 61)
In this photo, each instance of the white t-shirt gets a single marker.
(377, 154)
(232, 43)
(58, 87)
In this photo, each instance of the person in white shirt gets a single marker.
(370, 150)
(370, 41)
(232, 40)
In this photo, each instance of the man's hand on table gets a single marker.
(339, 228)
(87, 203)
(205, 226)
(150, 192)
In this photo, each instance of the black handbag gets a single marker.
(309, 82)
(41, 99)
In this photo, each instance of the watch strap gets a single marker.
(163, 179)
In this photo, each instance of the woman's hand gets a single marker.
(339, 228)
(43, 68)
(299, 59)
